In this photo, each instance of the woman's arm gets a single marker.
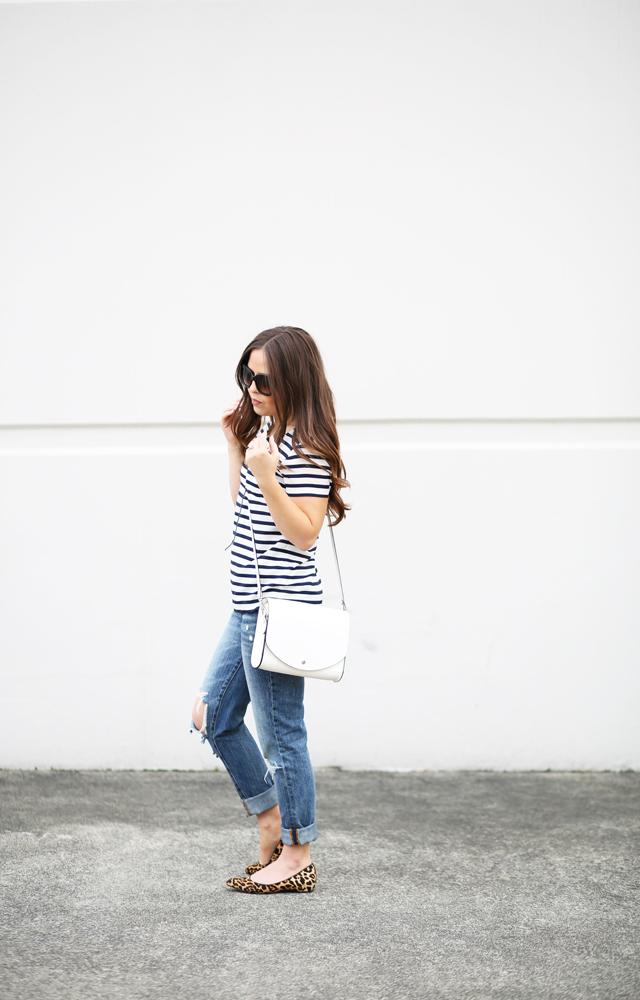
(235, 465)
(298, 520)
(236, 454)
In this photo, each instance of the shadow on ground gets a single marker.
(430, 885)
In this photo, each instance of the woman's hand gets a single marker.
(262, 458)
(225, 421)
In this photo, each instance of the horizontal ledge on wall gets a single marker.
(349, 448)
(347, 422)
(492, 446)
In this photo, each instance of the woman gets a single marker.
(285, 472)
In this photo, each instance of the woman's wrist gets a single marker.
(266, 481)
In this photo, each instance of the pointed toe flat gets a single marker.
(256, 866)
(304, 881)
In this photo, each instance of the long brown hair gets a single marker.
(302, 397)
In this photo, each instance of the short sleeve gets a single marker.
(304, 478)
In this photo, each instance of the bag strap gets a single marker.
(255, 556)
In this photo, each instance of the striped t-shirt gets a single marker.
(285, 571)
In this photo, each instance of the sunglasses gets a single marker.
(261, 381)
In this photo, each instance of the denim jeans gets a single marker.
(277, 699)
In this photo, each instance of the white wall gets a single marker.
(447, 189)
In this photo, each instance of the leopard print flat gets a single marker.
(304, 881)
(256, 866)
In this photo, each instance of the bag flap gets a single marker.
(307, 636)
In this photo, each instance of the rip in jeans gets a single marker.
(203, 728)
(271, 770)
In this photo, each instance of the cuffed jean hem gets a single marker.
(303, 835)
(260, 803)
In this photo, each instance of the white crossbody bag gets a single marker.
(306, 640)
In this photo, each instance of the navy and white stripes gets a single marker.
(285, 571)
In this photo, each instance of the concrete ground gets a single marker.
(430, 885)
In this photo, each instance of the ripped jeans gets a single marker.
(277, 700)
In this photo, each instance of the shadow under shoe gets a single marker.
(304, 881)
(256, 866)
